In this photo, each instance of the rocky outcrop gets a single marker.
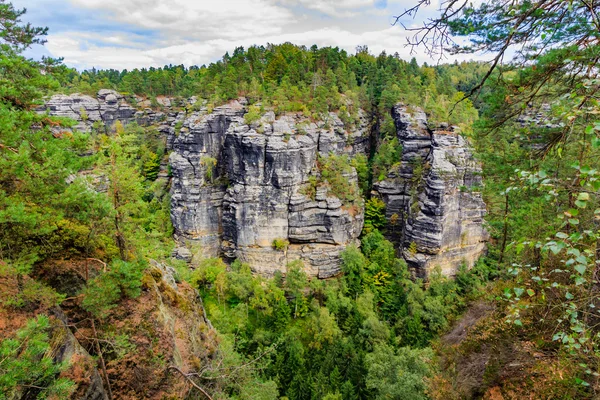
(82, 370)
(104, 110)
(108, 107)
(199, 179)
(253, 191)
(253, 195)
(433, 204)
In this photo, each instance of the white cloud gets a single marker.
(142, 33)
(200, 19)
(75, 52)
(335, 8)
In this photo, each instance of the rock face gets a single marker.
(109, 107)
(238, 189)
(199, 178)
(106, 109)
(66, 349)
(433, 204)
(253, 191)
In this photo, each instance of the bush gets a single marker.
(151, 166)
(334, 170)
(105, 290)
(388, 154)
(209, 163)
(375, 213)
(310, 189)
(27, 369)
(280, 244)
(398, 374)
(252, 115)
(207, 272)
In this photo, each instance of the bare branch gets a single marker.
(194, 384)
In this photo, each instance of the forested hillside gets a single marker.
(100, 300)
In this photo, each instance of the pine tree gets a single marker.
(37, 158)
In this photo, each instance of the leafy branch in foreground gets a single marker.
(27, 369)
(548, 42)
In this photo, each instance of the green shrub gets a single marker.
(388, 154)
(178, 127)
(334, 170)
(375, 212)
(26, 363)
(252, 115)
(151, 166)
(345, 117)
(361, 164)
(121, 279)
(280, 244)
(207, 272)
(83, 114)
(310, 188)
(209, 163)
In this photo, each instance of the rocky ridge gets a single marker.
(433, 203)
(107, 108)
(252, 190)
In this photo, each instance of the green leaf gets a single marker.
(518, 322)
(580, 203)
(530, 292)
(557, 336)
(584, 196)
(519, 291)
(580, 268)
(581, 259)
(569, 296)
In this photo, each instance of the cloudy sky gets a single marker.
(141, 33)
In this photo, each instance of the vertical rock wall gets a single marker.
(433, 204)
(197, 193)
(236, 188)
(256, 198)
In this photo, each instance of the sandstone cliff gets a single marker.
(254, 190)
(108, 107)
(432, 197)
(239, 189)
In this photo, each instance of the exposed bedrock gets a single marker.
(253, 191)
(254, 197)
(433, 200)
(199, 180)
(108, 107)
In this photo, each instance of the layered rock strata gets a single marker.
(238, 188)
(66, 350)
(252, 198)
(108, 107)
(433, 203)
